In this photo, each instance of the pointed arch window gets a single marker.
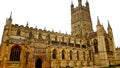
(15, 53)
(63, 54)
(30, 35)
(18, 32)
(96, 45)
(40, 36)
(54, 54)
(70, 55)
(77, 55)
(107, 45)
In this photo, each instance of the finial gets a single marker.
(10, 14)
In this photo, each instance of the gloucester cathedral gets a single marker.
(27, 47)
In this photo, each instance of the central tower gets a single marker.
(81, 25)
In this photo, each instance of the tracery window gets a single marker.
(18, 32)
(70, 55)
(15, 53)
(54, 54)
(63, 54)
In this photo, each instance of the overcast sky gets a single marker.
(55, 14)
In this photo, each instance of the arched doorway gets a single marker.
(38, 63)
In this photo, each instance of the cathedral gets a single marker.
(27, 47)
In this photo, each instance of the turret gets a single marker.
(101, 44)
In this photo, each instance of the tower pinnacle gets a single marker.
(79, 2)
(98, 21)
(109, 24)
(72, 6)
(10, 18)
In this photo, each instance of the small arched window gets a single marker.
(15, 53)
(54, 54)
(70, 55)
(63, 54)
(18, 32)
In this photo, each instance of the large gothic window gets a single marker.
(107, 45)
(15, 53)
(54, 54)
(18, 32)
(96, 45)
(63, 54)
(70, 55)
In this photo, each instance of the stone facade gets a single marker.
(27, 47)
